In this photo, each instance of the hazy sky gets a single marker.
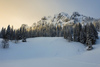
(17, 12)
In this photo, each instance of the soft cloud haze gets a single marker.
(17, 12)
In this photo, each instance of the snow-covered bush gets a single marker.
(5, 43)
(24, 39)
(89, 47)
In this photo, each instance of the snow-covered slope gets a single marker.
(80, 18)
(42, 47)
(49, 52)
(63, 18)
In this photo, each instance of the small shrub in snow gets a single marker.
(16, 41)
(89, 47)
(24, 39)
(5, 43)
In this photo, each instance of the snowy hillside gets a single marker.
(63, 18)
(49, 52)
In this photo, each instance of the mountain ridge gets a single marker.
(64, 18)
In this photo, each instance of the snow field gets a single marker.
(49, 52)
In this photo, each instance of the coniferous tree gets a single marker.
(8, 33)
(17, 36)
(14, 35)
(52, 30)
(91, 34)
(0, 34)
(11, 33)
(58, 30)
(69, 34)
(75, 36)
(3, 32)
(24, 35)
(30, 32)
(65, 32)
(95, 33)
(5, 43)
(76, 32)
(82, 37)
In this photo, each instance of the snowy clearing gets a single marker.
(49, 52)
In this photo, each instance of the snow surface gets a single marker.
(49, 52)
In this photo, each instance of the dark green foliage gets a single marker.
(86, 34)
(91, 34)
(69, 34)
(11, 34)
(8, 32)
(17, 35)
(76, 32)
(3, 32)
(82, 37)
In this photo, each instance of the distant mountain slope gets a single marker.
(63, 18)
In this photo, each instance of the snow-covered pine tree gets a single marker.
(90, 34)
(82, 37)
(24, 35)
(69, 34)
(17, 36)
(94, 34)
(78, 29)
(75, 35)
(94, 30)
(8, 33)
(3, 32)
(65, 34)
(58, 30)
(0, 34)
(14, 35)
(5, 40)
(52, 30)
(11, 33)
(97, 25)
(65, 29)
(30, 32)
(21, 32)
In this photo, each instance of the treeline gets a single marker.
(85, 34)
(11, 34)
(36, 31)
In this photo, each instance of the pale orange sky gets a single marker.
(17, 12)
